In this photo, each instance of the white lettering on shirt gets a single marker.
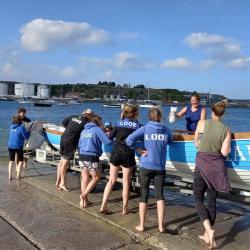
(156, 137)
(74, 119)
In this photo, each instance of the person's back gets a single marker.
(122, 130)
(91, 139)
(74, 126)
(213, 137)
(17, 136)
(156, 136)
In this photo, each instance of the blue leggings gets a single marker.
(145, 176)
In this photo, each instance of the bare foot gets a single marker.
(139, 228)
(10, 178)
(105, 210)
(204, 237)
(212, 243)
(125, 210)
(64, 188)
(161, 228)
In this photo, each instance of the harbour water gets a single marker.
(237, 118)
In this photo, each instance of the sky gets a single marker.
(192, 45)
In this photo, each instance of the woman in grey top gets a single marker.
(213, 140)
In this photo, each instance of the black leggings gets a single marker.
(200, 188)
(145, 176)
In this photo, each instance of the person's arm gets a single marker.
(103, 137)
(226, 145)
(203, 114)
(24, 133)
(181, 113)
(199, 130)
(112, 133)
(65, 122)
(134, 137)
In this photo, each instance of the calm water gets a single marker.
(237, 118)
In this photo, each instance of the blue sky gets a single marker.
(185, 44)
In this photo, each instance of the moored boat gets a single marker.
(181, 156)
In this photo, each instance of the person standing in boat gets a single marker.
(73, 127)
(22, 113)
(155, 137)
(90, 146)
(18, 135)
(122, 156)
(193, 113)
(213, 140)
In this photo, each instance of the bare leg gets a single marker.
(58, 177)
(142, 214)
(96, 176)
(126, 177)
(11, 163)
(210, 233)
(19, 168)
(113, 173)
(63, 171)
(160, 213)
(84, 184)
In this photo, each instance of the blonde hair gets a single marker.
(219, 108)
(155, 114)
(130, 111)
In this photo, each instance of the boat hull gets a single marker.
(181, 157)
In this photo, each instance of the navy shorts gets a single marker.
(13, 152)
(67, 149)
(125, 160)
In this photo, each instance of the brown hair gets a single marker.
(130, 111)
(96, 119)
(155, 115)
(21, 110)
(16, 119)
(219, 108)
(196, 96)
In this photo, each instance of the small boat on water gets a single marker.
(43, 103)
(114, 105)
(150, 104)
(181, 155)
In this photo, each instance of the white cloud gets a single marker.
(219, 47)
(127, 60)
(42, 35)
(178, 63)
(239, 63)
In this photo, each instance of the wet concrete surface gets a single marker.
(55, 220)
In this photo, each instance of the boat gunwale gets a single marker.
(177, 137)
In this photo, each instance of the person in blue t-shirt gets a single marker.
(121, 156)
(18, 135)
(90, 146)
(193, 113)
(155, 137)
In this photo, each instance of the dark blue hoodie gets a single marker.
(18, 135)
(155, 136)
(91, 139)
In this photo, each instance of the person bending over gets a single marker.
(73, 127)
